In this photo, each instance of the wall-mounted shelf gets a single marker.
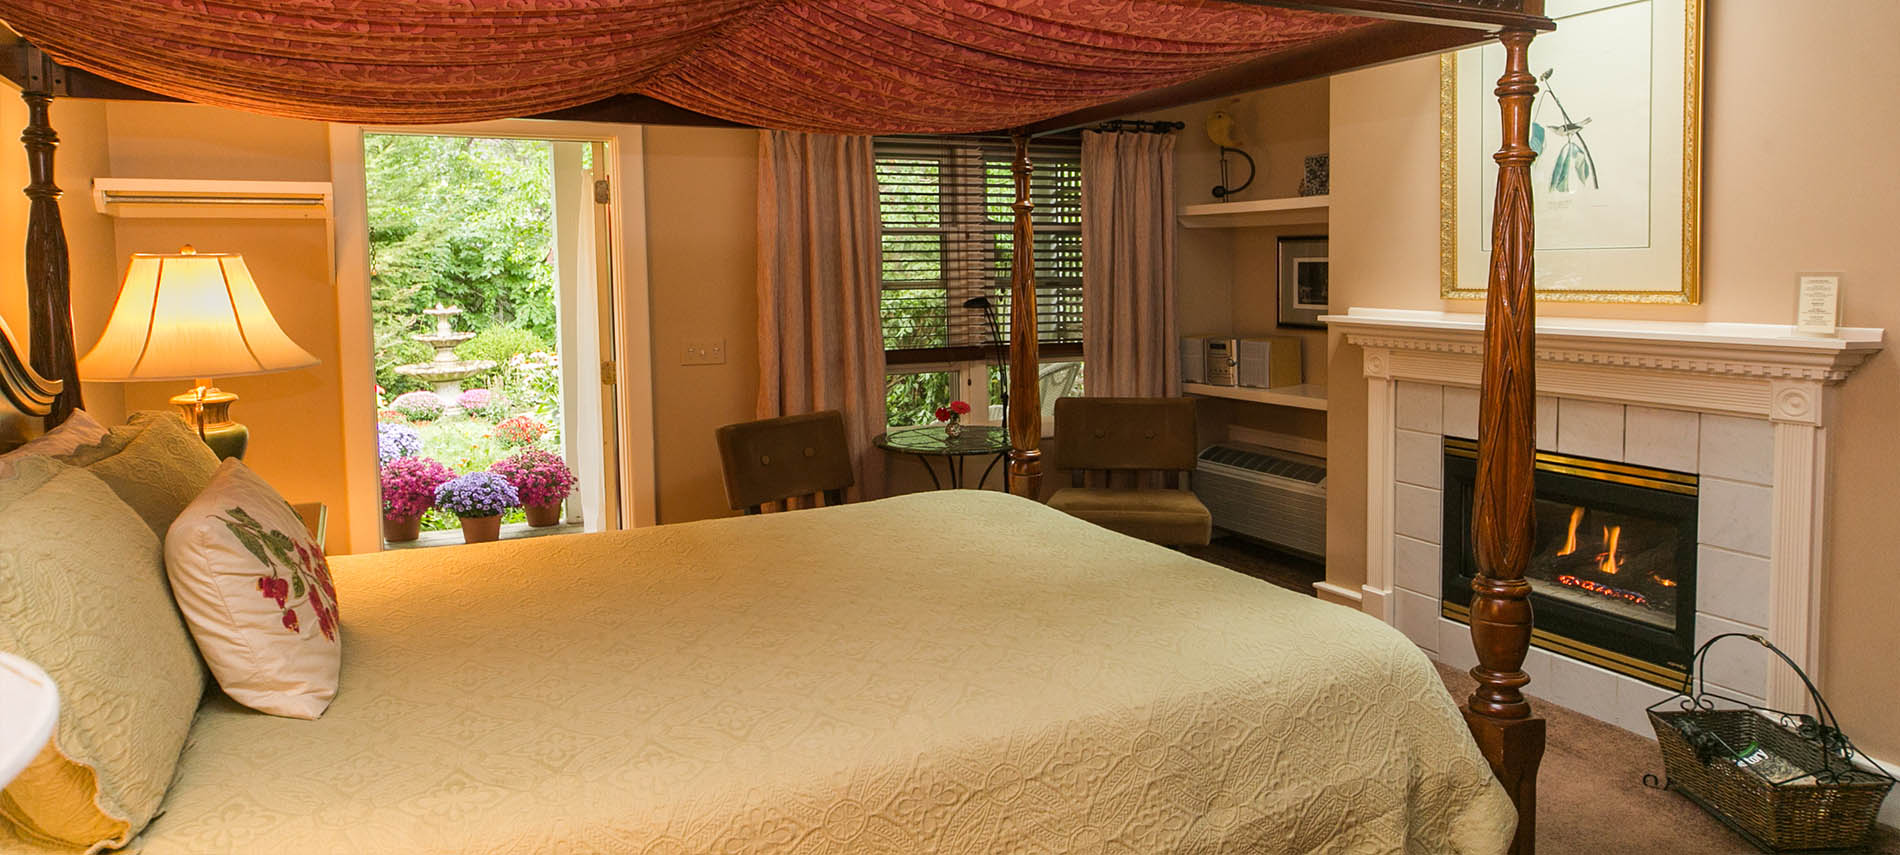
(199, 198)
(1306, 396)
(1297, 211)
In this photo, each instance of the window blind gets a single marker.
(944, 203)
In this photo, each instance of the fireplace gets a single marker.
(1613, 572)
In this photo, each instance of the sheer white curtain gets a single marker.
(821, 344)
(1129, 342)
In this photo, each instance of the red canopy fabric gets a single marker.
(836, 66)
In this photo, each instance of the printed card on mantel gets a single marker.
(1818, 308)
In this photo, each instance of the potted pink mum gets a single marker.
(542, 480)
(409, 490)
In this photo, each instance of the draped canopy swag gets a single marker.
(827, 66)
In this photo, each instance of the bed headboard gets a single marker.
(25, 396)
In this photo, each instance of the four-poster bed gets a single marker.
(1026, 67)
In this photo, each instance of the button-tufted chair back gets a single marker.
(1124, 434)
(772, 460)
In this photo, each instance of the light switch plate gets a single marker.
(707, 352)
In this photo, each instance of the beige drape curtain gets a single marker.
(821, 343)
(1129, 344)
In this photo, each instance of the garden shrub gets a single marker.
(419, 406)
(499, 343)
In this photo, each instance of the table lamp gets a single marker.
(29, 705)
(193, 315)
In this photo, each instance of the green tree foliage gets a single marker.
(461, 221)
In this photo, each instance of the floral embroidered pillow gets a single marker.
(255, 591)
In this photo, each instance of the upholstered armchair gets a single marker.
(1120, 438)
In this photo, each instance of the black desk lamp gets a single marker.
(996, 343)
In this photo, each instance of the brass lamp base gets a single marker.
(208, 410)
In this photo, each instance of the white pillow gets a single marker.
(255, 591)
(80, 429)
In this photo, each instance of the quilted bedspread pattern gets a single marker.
(952, 672)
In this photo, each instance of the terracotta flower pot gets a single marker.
(402, 531)
(542, 516)
(481, 529)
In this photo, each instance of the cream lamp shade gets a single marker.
(29, 705)
(193, 315)
(187, 315)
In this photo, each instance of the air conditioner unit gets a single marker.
(174, 198)
(1275, 496)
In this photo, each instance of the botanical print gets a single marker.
(296, 572)
(1590, 127)
(1616, 125)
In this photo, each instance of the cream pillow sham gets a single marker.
(155, 462)
(256, 593)
(79, 429)
(83, 594)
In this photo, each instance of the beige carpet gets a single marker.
(1591, 799)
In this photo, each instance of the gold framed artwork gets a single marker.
(1616, 186)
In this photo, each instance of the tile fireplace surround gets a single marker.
(1744, 406)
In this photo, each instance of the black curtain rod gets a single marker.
(1139, 126)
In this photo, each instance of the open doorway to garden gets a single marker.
(490, 303)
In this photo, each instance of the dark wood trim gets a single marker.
(637, 110)
(974, 353)
(20, 385)
(1367, 46)
(1504, 505)
(1025, 393)
(1490, 16)
(48, 272)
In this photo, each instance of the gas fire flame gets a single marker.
(1607, 561)
(1570, 540)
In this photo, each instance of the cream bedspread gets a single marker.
(951, 672)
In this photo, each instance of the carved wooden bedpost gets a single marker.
(1025, 397)
(48, 276)
(1504, 515)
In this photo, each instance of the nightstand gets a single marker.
(316, 518)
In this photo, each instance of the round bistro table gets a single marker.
(926, 443)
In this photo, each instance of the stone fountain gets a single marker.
(445, 372)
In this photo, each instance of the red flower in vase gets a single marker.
(956, 409)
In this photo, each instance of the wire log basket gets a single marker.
(1788, 782)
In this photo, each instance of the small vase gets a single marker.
(481, 529)
(542, 516)
(954, 428)
(402, 531)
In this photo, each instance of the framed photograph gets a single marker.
(1617, 126)
(1303, 281)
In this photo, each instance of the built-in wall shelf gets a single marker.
(172, 198)
(1307, 396)
(1297, 211)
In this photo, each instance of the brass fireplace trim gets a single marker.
(1601, 470)
(1648, 672)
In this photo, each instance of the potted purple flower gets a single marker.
(478, 499)
(409, 485)
(542, 480)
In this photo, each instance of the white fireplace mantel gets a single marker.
(1757, 371)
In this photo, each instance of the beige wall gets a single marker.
(701, 200)
(1799, 119)
(702, 259)
(295, 417)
